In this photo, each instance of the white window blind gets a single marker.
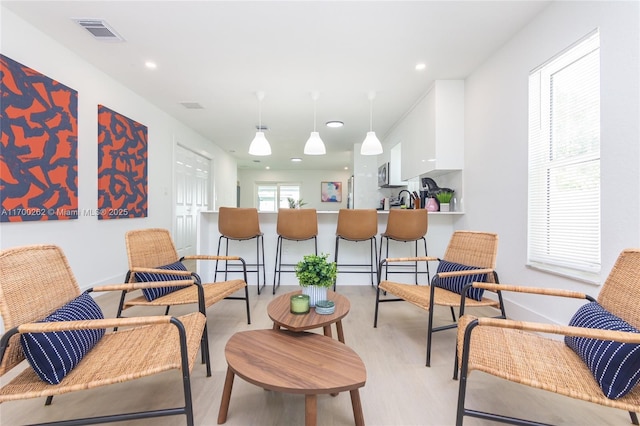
(564, 162)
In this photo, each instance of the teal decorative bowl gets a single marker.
(325, 307)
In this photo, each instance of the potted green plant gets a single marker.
(293, 204)
(444, 197)
(316, 274)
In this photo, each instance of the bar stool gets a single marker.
(241, 224)
(294, 225)
(406, 225)
(358, 225)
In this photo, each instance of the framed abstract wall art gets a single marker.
(122, 166)
(331, 192)
(38, 146)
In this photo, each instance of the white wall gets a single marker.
(496, 141)
(309, 181)
(96, 249)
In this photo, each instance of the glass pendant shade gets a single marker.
(260, 145)
(314, 145)
(371, 145)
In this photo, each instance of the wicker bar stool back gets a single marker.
(358, 225)
(405, 226)
(36, 282)
(471, 248)
(293, 225)
(241, 224)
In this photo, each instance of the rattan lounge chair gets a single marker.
(476, 249)
(148, 249)
(515, 351)
(36, 282)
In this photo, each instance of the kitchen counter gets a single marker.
(438, 235)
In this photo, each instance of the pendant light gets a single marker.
(260, 144)
(371, 144)
(314, 145)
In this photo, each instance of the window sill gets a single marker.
(582, 276)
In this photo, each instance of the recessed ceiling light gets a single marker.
(335, 123)
(421, 66)
(296, 159)
(151, 65)
(346, 167)
(268, 168)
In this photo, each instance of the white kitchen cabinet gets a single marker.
(432, 133)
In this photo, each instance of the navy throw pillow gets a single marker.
(54, 354)
(456, 284)
(153, 293)
(615, 365)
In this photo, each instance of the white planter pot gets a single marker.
(315, 293)
(444, 207)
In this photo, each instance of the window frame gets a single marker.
(550, 251)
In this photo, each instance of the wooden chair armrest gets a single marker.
(161, 271)
(463, 273)
(141, 285)
(409, 259)
(210, 257)
(618, 336)
(531, 290)
(44, 327)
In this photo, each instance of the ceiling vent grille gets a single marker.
(99, 29)
(191, 105)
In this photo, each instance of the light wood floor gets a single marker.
(400, 390)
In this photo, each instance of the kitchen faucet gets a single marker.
(411, 197)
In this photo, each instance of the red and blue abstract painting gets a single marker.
(38, 146)
(122, 166)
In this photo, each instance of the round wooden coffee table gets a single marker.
(290, 362)
(278, 311)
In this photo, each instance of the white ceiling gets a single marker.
(220, 53)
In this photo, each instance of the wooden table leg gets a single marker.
(357, 407)
(327, 330)
(276, 326)
(340, 331)
(310, 410)
(226, 396)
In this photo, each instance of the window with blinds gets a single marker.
(564, 162)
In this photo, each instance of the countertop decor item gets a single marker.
(444, 196)
(315, 275)
(431, 205)
(299, 304)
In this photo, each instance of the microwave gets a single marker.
(383, 175)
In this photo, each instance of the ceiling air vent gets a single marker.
(99, 29)
(191, 105)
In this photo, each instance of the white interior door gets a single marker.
(192, 196)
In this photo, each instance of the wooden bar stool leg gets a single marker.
(226, 397)
(310, 410)
(357, 407)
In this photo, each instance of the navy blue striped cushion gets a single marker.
(615, 365)
(53, 355)
(456, 284)
(153, 293)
